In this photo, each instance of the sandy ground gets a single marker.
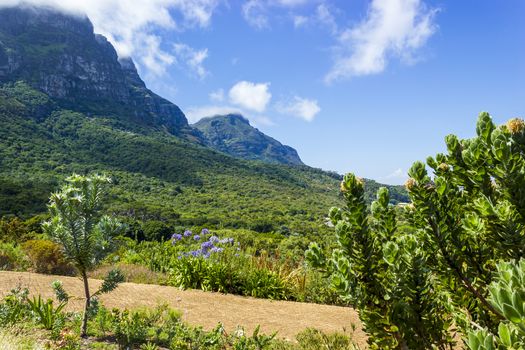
(204, 308)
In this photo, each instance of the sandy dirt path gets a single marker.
(204, 308)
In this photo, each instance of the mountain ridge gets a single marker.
(233, 134)
(163, 173)
(60, 55)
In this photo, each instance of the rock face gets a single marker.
(59, 54)
(233, 134)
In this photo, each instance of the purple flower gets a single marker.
(195, 253)
(205, 246)
(205, 231)
(176, 236)
(214, 239)
(216, 250)
(187, 233)
(196, 237)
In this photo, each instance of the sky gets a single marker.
(355, 86)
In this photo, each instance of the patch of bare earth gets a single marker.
(204, 308)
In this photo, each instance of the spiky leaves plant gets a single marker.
(465, 217)
(472, 213)
(85, 234)
(507, 295)
(383, 272)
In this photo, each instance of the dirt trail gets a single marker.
(204, 308)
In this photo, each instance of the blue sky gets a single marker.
(353, 85)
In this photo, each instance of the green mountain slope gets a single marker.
(162, 170)
(233, 134)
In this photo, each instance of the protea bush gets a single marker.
(425, 274)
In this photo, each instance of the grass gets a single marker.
(204, 309)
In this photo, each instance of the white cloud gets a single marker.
(326, 18)
(391, 28)
(217, 95)
(300, 107)
(194, 114)
(257, 12)
(398, 173)
(192, 59)
(252, 96)
(299, 21)
(130, 26)
(398, 176)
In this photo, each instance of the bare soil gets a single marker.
(204, 308)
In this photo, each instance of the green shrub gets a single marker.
(313, 339)
(12, 257)
(131, 328)
(507, 295)
(47, 257)
(14, 307)
(12, 229)
(420, 273)
(263, 283)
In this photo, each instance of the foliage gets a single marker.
(161, 178)
(86, 235)
(507, 295)
(313, 339)
(415, 274)
(12, 257)
(14, 307)
(44, 312)
(390, 286)
(47, 257)
(226, 265)
(160, 327)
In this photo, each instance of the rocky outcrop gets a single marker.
(60, 55)
(233, 134)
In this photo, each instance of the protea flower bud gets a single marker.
(350, 182)
(515, 125)
(410, 184)
(443, 167)
(343, 187)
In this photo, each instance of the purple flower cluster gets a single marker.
(207, 247)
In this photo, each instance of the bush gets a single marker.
(47, 257)
(12, 257)
(131, 328)
(14, 308)
(132, 273)
(418, 273)
(507, 295)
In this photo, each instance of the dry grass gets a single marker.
(132, 273)
(204, 308)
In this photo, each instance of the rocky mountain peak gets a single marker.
(233, 134)
(60, 55)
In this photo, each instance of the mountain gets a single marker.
(67, 104)
(61, 56)
(233, 134)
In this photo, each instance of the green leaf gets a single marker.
(504, 334)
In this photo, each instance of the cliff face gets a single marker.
(60, 55)
(233, 134)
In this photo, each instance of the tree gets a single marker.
(420, 271)
(84, 233)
